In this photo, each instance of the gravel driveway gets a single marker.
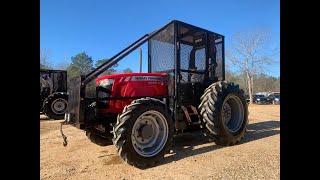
(193, 156)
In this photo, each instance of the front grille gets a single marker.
(103, 92)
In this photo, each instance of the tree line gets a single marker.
(262, 82)
(251, 54)
(81, 64)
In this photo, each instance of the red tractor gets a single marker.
(184, 91)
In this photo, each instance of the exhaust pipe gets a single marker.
(140, 59)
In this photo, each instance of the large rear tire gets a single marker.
(143, 133)
(225, 112)
(55, 105)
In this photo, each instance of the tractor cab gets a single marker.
(53, 93)
(58, 78)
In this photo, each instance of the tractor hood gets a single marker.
(134, 77)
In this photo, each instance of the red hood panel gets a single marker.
(130, 74)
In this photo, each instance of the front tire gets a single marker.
(225, 112)
(55, 106)
(143, 133)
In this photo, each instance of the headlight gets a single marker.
(258, 99)
(106, 82)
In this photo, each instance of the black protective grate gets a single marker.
(58, 78)
(200, 59)
(185, 51)
(219, 59)
(59, 82)
(186, 77)
(161, 54)
(192, 54)
(162, 50)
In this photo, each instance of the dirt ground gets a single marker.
(193, 156)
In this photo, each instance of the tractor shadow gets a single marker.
(45, 118)
(184, 144)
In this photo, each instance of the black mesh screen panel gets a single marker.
(200, 59)
(162, 50)
(219, 68)
(185, 51)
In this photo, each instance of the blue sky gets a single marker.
(102, 28)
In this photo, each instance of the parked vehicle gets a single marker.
(261, 99)
(275, 98)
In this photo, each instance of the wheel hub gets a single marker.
(149, 133)
(58, 106)
(226, 113)
(233, 113)
(145, 131)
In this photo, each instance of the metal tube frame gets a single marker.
(116, 58)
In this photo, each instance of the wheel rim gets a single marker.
(149, 133)
(233, 113)
(59, 106)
